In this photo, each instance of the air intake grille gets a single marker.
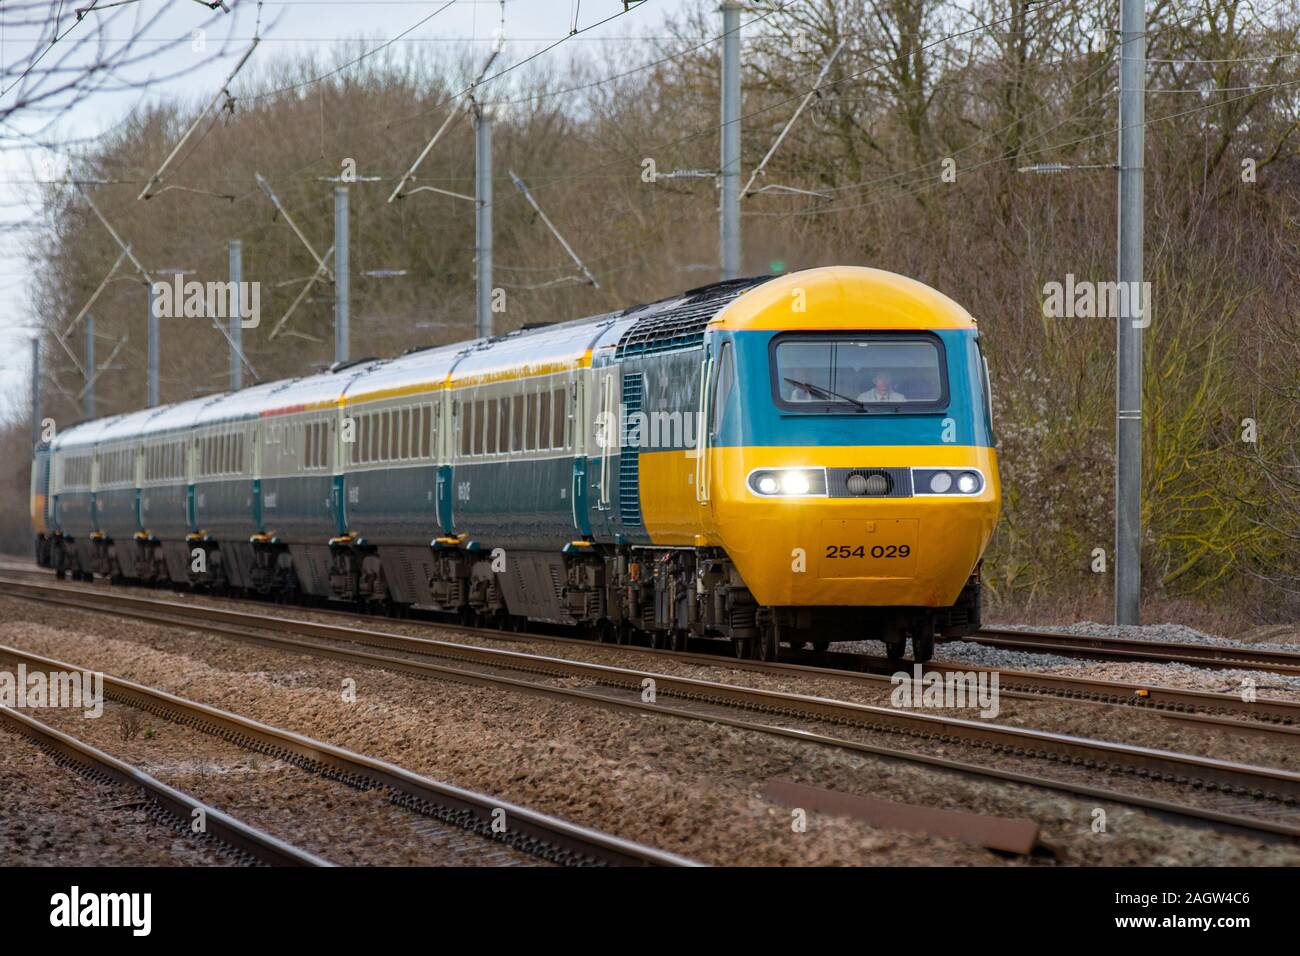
(897, 483)
(629, 459)
(682, 326)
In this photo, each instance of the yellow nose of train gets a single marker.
(848, 455)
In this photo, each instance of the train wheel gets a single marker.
(740, 645)
(922, 646)
(679, 640)
(821, 646)
(767, 645)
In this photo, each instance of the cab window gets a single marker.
(866, 372)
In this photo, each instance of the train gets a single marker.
(785, 460)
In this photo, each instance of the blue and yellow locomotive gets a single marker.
(798, 459)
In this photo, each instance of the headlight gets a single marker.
(788, 482)
(944, 481)
(794, 483)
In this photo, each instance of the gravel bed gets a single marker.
(1168, 633)
(1222, 681)
(1145, 728)
(325, 817)
(52, 816)
(688, 787)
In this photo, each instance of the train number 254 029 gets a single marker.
(877, 551)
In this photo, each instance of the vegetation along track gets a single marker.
(1250, 797)
(166, 805)
(545, 837)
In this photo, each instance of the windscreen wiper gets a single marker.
(826, 392)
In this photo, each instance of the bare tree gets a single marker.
(95, 47)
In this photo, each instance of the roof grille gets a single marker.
(682, 325)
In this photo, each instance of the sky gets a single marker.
(288, 28)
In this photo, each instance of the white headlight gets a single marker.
(794, 483)
(940, 482)
(967, 483)
(767, 485)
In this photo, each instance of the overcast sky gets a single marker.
(289, 27)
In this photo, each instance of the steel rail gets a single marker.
(1227, 711)
(526, 830)
(1255, 714)
(165, 803)
(1271, 786)
(1133, 649)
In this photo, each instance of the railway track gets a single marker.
(1027, 682)
(1132, 649)
(1231, 794)
(165, 804)
(1227, 711)
(545, 837)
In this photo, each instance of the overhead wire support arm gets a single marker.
(816, 89)
(116, 238)
(523, 188)
(156, 178)
(95, 295)
(311, 281)
(498, 43)
(92, 375)
(397, 192)
(275, 200)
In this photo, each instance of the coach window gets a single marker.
(492, 422)
(517, 424)
(560, 409)
(503, 425)
(544, 421)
